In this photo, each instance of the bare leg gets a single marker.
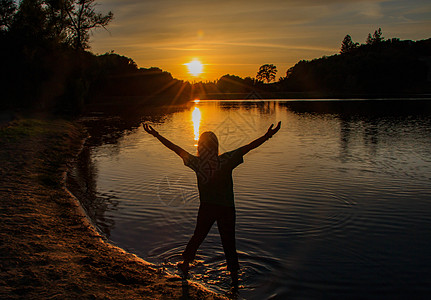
(205, 220)
(184, 268)
(234, 277)
(226, 228)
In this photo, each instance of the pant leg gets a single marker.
(205, 220)
(226, 228)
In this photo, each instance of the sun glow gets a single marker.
(195, 67)
(196, 119)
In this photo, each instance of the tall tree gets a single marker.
(266, 72)
(29, 21)
(348, 45)
(375, 38)
(7, 12)
(82, 18)
(64, 21)
(369, 39)
(57, 19)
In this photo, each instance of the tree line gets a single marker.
(379, 67)
(66, 22)
(46, 65)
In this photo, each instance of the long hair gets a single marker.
(208, 144)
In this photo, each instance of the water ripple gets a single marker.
(336, 205)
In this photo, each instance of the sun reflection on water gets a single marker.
(196, 119)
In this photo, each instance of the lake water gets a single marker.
(336, 205)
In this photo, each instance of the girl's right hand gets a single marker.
(271, 131)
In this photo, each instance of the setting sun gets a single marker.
(195, 67)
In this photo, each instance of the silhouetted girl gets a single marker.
(214, 176)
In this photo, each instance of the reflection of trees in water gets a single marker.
(344, 137)
(371, 135)
(369, 108)
(263, 107)
(363, 119)
(106, 129)
(82, 183)
(353, 127)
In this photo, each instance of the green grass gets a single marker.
(53, 142)
(22, 128)
(28, 127)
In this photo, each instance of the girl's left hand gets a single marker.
(150, 130)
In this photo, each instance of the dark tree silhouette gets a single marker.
(62, 21)
(57, 19)
(82, 18)
(231, 84)
(385, 67)
(29, 24)
(7, 12)
(369, 39)
(348, 45)
(266, 72)
(375, 38)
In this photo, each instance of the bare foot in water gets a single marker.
(184, 268)
(234, 276)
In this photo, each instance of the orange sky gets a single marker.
(236, 37)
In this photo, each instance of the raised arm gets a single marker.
(259, 141)
(177, 149)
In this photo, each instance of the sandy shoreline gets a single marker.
(48, 249)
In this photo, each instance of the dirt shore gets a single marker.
(48, 249)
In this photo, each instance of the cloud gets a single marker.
(371, 10)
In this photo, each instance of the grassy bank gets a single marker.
(48, 250)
